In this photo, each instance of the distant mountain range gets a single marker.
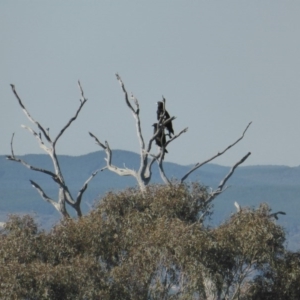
(279, 186)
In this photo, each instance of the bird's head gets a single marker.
(159, 104)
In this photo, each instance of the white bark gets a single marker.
(144, 173)
(64, 195)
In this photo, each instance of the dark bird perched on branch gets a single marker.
(160, 139)
(163, 112)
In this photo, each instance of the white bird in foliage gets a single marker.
(238, 207)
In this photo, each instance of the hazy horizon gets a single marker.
(166, 159)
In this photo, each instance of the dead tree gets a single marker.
(48, 144)
(144, 173)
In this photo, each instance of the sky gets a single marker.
(219, 64)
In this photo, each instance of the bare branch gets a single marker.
(161, 168)
(136, 115)
(13, 158)
(176, 136)
(11, 146)
(147, 172)
(159, 158)
(221, 188)
(73, 118)
(81, 91)
(45, 133)
(136, 102)
(119, 171)
(38, 137)
(125, 92)
(97, 141)
(44, 196)
(164, 123)
(222, 183)
(198, 165)
(85, 185)
(275, 215)
(54, 176)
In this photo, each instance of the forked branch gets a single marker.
(84, 187)
(222, 183)
(135, 112)
(82, 102)
(64, 193)
(176, 136)
(198, 165)
(109, 165)
(41, 128)
(48, 199)
(27, 165)
(221, 188)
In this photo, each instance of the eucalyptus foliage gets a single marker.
(148, 245)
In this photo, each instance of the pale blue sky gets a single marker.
(220, 65)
